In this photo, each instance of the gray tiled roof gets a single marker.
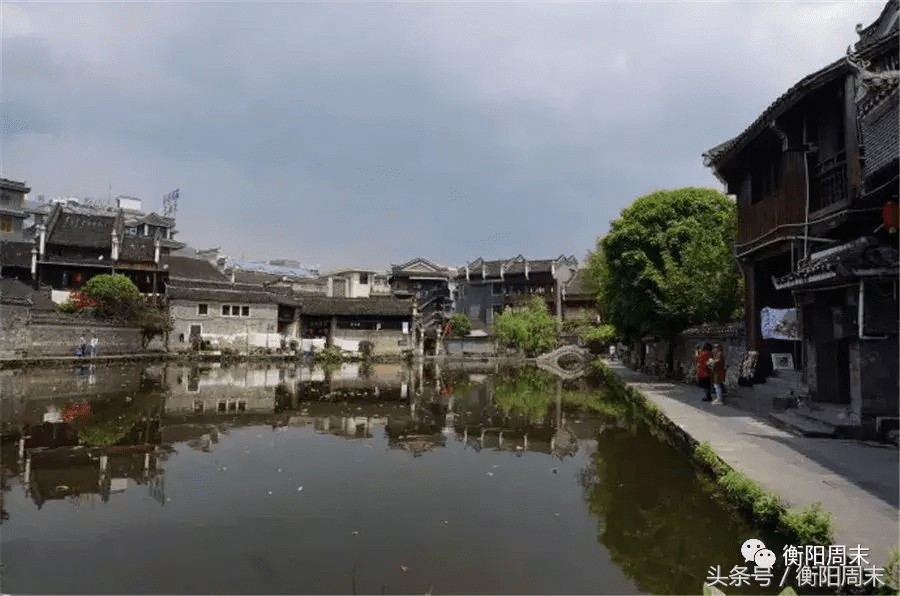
(722, 152)
(194, 269)
(381, 305)
(14, 292)
(74, 229)
(516, 265)
(226, 292)
(846, 261)
(575, 286)
(868, 45)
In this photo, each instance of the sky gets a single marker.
(345, 134)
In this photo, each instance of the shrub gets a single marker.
(704, 454)
(330, 355)
(892, 573)
(531, 329)
(113, 293)
(810, 525)
(68, 307)
(366, 348)
(460, 325)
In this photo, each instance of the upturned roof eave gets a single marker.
(723, 153)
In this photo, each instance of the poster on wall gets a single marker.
(780, 323)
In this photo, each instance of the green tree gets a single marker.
(153, 319)
(460, 325)
(113, 293)
(667, 264)
(531, 329)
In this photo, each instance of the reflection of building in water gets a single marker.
(215, 389)
(51, 465)
(351, 427)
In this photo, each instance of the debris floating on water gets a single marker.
(490, 473)
(404, 568)
(299, 488)
(355, 533)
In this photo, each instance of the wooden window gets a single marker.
(198, 406)
(496, 289)
(202, 309)
(6, 224)
(226, 310)
(245, 311)
(364, 279)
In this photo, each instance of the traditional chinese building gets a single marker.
(486, 288)
(815, 176)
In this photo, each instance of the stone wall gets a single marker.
(732, 338)
(470, 345)
(36, 334)
(879, 363)
(13, 330)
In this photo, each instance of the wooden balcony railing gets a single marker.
(830, 182)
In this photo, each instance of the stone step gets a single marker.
(798, 424)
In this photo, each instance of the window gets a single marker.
(496, 289)
(198, 406)
(233, 310)
(131, 231)
(6, 224)
(364, 279)
(202, 309)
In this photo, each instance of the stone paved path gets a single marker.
(857, 481)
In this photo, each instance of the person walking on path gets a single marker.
(718, 372)
(704, 374)
(82, 347)
(95, 344)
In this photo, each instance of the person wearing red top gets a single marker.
(718, 376)
(704, 355)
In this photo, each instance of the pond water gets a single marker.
(363, 480)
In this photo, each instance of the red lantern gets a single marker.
(890, 217)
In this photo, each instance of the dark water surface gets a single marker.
(254, 479)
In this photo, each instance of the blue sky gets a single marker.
(365, 134)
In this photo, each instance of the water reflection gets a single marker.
(222, 453)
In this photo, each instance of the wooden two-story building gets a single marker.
(487, 288)
(814, 177)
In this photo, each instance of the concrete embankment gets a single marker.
(856, 481)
